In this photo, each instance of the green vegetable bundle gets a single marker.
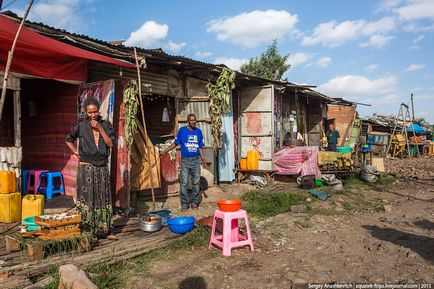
(130, 111)
(220, 102)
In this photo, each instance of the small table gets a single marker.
(366, 158)
(242, 174)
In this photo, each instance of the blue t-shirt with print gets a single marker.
(190, 141)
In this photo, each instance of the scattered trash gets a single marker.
(369, 174)
(319, 194)
(259, 180)
(331, 180)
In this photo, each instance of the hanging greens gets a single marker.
(130, 111)
(220, 102)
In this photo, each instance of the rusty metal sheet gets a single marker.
(257, 99)
(256, 124)
(200, 109)
(196, 87)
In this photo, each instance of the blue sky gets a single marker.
(375, 52)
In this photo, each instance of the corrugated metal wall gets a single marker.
(200, 109)
(151, 82)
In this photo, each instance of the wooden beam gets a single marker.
(17, 118)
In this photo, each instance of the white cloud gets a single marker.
(371, 67)
(231, 62)
(332, 34)
(202, 54)
(383, 25)
(414, 67)
(412, 27)
(388, 5)
(377, 41)
(297, 59)
(388, 98)
(419, 39)
(58, 13)
(175, 47)
(355, 86)
(250, 29)
(149, 34)
(416, 9)
(323, 62)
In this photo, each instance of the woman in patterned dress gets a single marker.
(94, 199)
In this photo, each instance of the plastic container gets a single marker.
(30, 223)
(181, 225)
(33, 205)
(163, 214)
(366, 148)
(10, 208)
(8, 182)
(252, 160)
(319, 182)
(243, 164)
(344, 149)
(229, 205)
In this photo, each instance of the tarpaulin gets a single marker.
(297, 160)
(39, 55)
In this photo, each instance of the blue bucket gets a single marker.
(181, 225)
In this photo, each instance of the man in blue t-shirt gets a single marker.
(190, 140)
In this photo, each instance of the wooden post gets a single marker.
(139, 78)
(9, 60)
(17, 118)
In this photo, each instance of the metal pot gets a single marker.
(150, 223)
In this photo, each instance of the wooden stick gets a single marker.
(139, 78)
(9, 61)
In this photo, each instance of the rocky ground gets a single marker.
(367, 233)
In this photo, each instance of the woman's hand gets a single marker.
(95, 124)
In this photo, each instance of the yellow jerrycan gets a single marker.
(33, 205)
(10, 208)
(8, 182)
(252, 160)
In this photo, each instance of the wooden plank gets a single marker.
(17, 118)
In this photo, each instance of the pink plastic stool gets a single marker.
(33, 186)
(231, 237)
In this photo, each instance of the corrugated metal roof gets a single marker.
(124, 52)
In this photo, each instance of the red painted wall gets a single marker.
(43, 135)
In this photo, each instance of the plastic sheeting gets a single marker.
(297, 160)
(39, 55)
(226, 155)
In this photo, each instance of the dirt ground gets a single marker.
(367, 233)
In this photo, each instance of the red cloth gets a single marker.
(297, 160)
(39, 55)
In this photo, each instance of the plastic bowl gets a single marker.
(229, 205)
(181, 225)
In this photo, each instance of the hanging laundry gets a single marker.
(165, 115)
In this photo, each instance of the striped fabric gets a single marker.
(297, 160)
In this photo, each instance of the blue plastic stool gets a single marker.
(25, 179)
(50, 190)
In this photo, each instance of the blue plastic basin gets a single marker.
(181, 225)
(30, 223)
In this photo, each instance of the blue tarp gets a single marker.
(416, 128)
(226, 156)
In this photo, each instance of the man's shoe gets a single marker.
(184, 208)
(194, 206)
